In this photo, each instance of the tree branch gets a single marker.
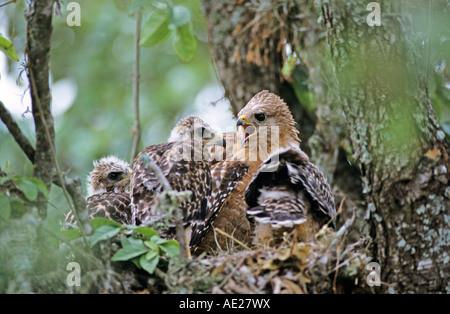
(16, 132)
(137, 124)
(7, 2)
(39, 31)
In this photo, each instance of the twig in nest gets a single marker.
(235, 268)
(232, 238)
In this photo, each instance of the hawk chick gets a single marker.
(185, 163)
(108, 186)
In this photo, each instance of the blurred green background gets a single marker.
(92, 87)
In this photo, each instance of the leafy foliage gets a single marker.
(141, 245)
(164, 20)
(16, 193)
(8, 48)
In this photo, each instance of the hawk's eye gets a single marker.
(260, 116)
(113, 176)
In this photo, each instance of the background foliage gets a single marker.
(95, 64)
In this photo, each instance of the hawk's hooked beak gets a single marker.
(127, 177)
(242, 121)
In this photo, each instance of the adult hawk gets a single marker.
(264, 125)
(288, 193)
(185, 161)
(108, 189)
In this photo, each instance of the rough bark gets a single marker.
(397, 141)
(39, 31)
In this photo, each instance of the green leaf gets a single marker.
(152, 245)
(156, 29)
(70, 234)
(8, 48)
(145, 231)
(180, 15)
(158, 240)
(131, 248)
(185, 43)
(98, 222)
(5, 207)
(40, 185)
(28, 188)
(288, 68)
(103, 233)
(301, 88)
(171, 248)
(149, 261)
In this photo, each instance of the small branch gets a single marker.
(137, 124)
(7, 2)
(16, 132)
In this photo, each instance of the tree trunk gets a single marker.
(39, 31)
(397, 141)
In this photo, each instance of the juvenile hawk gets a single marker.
(288, 193)
(186, 163)
(108, 189)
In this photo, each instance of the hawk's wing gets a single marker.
(315, 185)
(224, 177)
(111, 205)
(279, 208)
(115, 206)
(284, 175)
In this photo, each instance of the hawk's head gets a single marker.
(267, 115)
(110, 174)
(194, 128)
